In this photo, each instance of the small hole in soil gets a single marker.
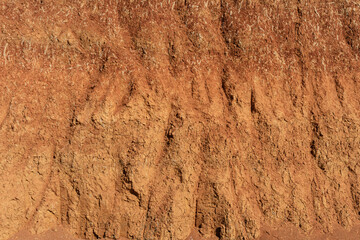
(218, 232)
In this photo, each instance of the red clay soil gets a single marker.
(158, 119)
(56, 233)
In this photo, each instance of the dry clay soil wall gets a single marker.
(146, 119)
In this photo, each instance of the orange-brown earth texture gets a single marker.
(179, 119)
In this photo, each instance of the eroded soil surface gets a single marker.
(149, 119)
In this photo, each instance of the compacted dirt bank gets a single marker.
(224, 119)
